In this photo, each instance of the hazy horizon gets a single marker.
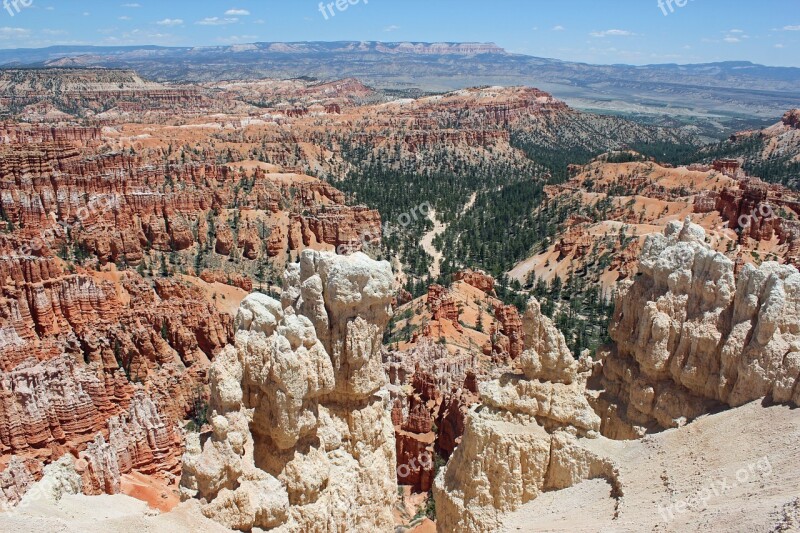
(627, 32)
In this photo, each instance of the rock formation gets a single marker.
(452, 414)
(524, 439)
(689, 336)
(792, 118)
(508, 341)
(18, 487)
(75, 347)
(477, 278)
(427, 383)
(301, 439)
(141, 440)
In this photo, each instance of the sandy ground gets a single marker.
(737, 471)
(155, 492)
(104, 514)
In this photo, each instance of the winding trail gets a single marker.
(438, 229)
(430, 249)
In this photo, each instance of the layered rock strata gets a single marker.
(302, 441)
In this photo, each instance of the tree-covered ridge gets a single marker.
(778, 166)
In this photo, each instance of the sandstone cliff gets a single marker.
(691, 336)
(301, 439)
(526, 438)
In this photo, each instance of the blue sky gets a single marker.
(596, 31)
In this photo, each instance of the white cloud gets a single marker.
(612, 33)
(391, 28)
(170, 22)
(237, 12)
(259, 21)
(735, 36)
(791, 28)
(216, 21)
(138, 35)
(780, 46)
(11, 33)
(132, 5)
(124, 17)
(238, 39)
(558, 28)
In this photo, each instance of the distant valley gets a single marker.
(717, 98)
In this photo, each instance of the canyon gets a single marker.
(225, 300)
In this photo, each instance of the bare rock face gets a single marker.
(426, 385)
(15, 480)
(524, 439)
(451, 417)
(477, 278)
(18, 486)
(510, 332)
(792, 118)
(140, 440)
(690, 335)
(301, 440)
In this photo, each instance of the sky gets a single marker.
(593, 31)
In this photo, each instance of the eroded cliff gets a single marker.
(302, 441)
(691, 335)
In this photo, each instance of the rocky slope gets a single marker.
(440, 346)
(122, 261)
(56, 93)
(690, 338)
(772, 153)
(611, 205)
(732, 471)
(301, 441)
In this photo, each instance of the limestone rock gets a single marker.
(690, 336)
(301, 441)
(60, 478)
(524, 439)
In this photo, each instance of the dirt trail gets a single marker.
(427, 243)
(438, 229)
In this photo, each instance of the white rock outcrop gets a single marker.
(691, 336)
(19, 488)
(302, 440)
(526, 438)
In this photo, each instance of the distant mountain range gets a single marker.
(716, 96)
